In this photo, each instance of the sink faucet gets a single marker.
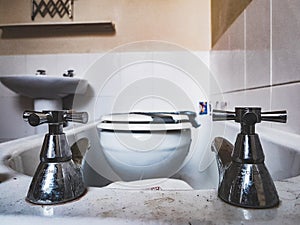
(57, 178)
(40, 72)
(244, 179)
(70, 73)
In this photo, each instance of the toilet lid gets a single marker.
(144, 121)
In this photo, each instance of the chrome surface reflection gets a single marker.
(57, 179)
(244, 179)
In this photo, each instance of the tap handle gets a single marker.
(250, 115)
(275, 116)
(221, 115)
(41, 72)
(70, 73)
(78, 117)
(35, 118)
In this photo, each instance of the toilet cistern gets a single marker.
(57, 178)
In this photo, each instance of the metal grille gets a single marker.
(52, 8)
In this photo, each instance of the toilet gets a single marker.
(145, 145)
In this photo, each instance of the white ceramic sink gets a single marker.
(282, 161)
(43, 86)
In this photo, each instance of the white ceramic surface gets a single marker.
(44, 86)
(135, 156)
(282, 156)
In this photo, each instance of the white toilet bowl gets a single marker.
(145, 145)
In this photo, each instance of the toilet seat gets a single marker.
(144, 145)
(144, 121)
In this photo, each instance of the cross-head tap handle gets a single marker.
(250, 115)
(56, 117)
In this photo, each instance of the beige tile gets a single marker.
(286, 46)
(258, 25)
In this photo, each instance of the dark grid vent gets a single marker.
(52, 8)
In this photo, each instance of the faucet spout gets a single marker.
(223, 149)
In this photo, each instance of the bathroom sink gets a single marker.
(118, 205)
(282, 161)
(43, 86)
(26, 162)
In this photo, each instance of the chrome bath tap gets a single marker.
(57, 178)
(244, 179)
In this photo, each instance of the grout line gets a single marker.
(271, 53)
(245, 49)
(260, 87)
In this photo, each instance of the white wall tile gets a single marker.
(111, 86)
(228, 68)
(258, 98)
(44, 62)
(286, 97)
(136, 71)
(80, 63)
(286, 66)
(101, 71)
(11, 120)
(232, 100)
(102, 105)
(76, 62)
(196, 64)
(91, 59)
(250, 98)
(258, 68)
(204, 56)
(131, 57)
(12, 65)
(195, 86)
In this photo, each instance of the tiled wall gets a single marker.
(257, 61)
(118, 82)
(12, 105)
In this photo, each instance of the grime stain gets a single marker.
(157, 201)
(109, 213)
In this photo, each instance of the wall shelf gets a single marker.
(36, 30)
